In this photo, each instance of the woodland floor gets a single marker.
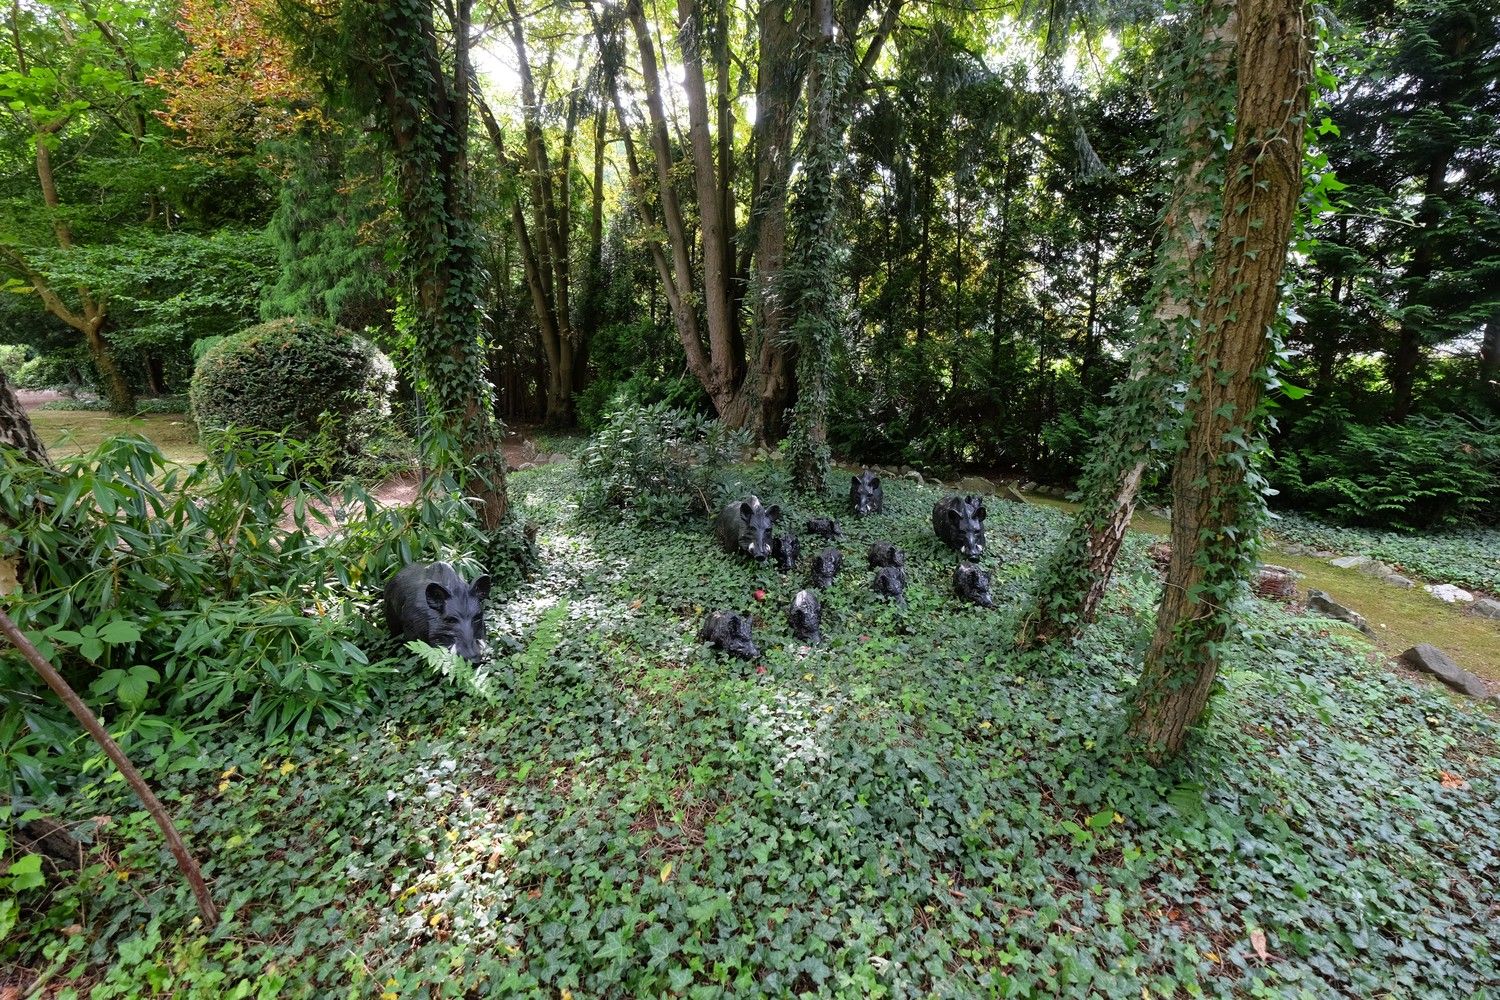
(907, 810)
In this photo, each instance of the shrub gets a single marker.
(309, 380)
(68, 370)
(1429, 472)
(174, 599)
(660, 464)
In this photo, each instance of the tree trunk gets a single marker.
(16, 430)
(426, 118)
(1489, 361)
(1071, 584)
(1217, 508)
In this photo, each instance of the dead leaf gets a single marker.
(1258, 942)
(1450, 780)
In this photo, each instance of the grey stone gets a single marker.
(1397, 580)
(974, 484)
(557, 456)
(1350, 562)
(914, 476)
(1429, 659)
(1448, 593)
(1320, 602)
(1375, 568)
(1486, 608)
(1011, 493)
(1273, 568)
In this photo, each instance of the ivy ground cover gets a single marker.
(906, 811)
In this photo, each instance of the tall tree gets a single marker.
(1071, 583)
(389, 59)
(1218, 503)
(69, 72)
(705, 260)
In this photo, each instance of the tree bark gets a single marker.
(1073, 582)
(1217, 509)
(16, 430)
(185, 861)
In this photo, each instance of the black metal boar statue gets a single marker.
(824, 527)
(806, 617)
(431, 602)
(890, 581)
(786, 550)
(729, 631)
(959, 523)
(745, 526)
(886, 554)
(865, 493)
(826, 566)
(972, 584)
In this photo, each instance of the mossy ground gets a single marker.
(73, 432)
(1401, 618)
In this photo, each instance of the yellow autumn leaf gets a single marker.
(566, 995)
(434, 920)
(287, 767)
(985, 724)
(666, 871)
(452, 836)
(388, 995)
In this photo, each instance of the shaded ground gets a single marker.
(73, 432)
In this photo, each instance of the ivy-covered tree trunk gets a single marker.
(1218, 504)
(1071, 584)
(425, 116)
(814, 270)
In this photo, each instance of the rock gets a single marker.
(1320, 602)
(914, 476)
(1009, 492)
(1350, 562)
(524, 466)
(1161, 554)
(974, 484)
(1431, 660)
(1448, 593)
(1397, 580)
(1486, 608)
(556, 457)
(1273, 568)
(1385, 572)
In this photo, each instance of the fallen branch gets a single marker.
(185, 862)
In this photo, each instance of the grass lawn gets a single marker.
(1401, 618)
(908, 810)
(72, 432)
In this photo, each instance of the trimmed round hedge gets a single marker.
(309, 380)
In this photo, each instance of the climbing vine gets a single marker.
(1145, 415)
(811, 280)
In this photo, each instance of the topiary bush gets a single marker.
(308, 380)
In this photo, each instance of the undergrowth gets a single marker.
(908, 810)
(1469, 557)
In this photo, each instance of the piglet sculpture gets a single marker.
(729, 631)
(972, 584)
(886, 554)
(826, 566)
(431, 602)
(786, 550)
(806, 617)
(865, 494)
(744, 526)
(824, 527)
(959, 524)
(890, 582)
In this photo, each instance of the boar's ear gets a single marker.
(437, 596)
(952, 513)
(774, 512)
(481, 587)
(979, 512)
(875, 482)
(745, 509)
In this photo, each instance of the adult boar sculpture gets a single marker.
(744, 526)
(431, 602)
(865, 494)
(959, 524)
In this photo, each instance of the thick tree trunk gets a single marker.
(16, 430)
(1072, 583)
(1489, 360)
(1217, 510)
